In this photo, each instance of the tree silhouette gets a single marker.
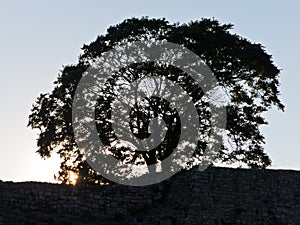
(243, 69)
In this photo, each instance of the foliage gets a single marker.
(243, 69)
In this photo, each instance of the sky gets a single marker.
(38, 37)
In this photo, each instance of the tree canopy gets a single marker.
(243, 69)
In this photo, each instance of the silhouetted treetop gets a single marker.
(244, 70)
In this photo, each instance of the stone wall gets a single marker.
(215, 196)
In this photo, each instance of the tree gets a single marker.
(243, 69)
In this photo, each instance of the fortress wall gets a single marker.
(214, 196)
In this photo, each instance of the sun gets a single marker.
(72, 177)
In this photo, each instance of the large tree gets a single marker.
(243, 69)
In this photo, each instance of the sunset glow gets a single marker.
(72, 178)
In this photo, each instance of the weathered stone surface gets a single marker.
(215, 196)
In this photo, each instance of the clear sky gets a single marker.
(38, 37)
